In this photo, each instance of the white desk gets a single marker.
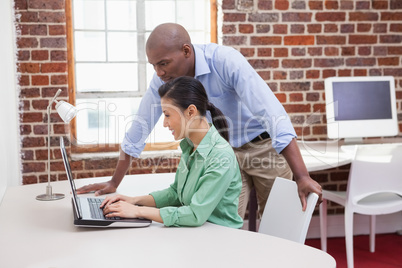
(41, 234)
(321, 155)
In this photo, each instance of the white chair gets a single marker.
(374, 188)
(283, 215)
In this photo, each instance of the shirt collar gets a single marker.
(206, 144)
(201, 65)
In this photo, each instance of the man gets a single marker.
(260, 130)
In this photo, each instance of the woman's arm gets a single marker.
(127, 207)
(126, 210)
(150, 214)
(144, 200)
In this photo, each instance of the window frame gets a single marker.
(101, 147)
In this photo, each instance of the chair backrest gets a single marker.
(375, 169)
(283, 215)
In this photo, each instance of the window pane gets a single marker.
(160, 133)
(158, 12)
(104, 120)
(108, 50)
(193, 14)
(90, 46)
(106, 77)
(94, 21)
(200, 37)
(122, 46)
(121, 15)
(107, 120)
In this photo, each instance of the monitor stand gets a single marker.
(349, 146)
(353, 141)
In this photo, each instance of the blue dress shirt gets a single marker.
(235, 88)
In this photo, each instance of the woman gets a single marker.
(207, 183)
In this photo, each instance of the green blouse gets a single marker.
(206, 187)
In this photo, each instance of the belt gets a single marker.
(261, 137)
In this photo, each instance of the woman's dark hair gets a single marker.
(184, 91)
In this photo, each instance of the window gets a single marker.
(108, 69)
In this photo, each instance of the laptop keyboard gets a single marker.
(96, 211)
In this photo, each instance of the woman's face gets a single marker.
(174, 119)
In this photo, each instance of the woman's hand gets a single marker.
(126, 207)
(121, 209)
(115, 198)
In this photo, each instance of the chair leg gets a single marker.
(349, 237)
(372, 233)
(323, 224)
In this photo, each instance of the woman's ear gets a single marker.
(191, 111)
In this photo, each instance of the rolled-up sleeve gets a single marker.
(166, 197)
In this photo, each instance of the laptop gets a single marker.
(86, 209)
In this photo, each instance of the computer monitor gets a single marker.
(359, 107)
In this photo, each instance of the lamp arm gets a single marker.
(54, 99)
(48, 143)
(49, 108)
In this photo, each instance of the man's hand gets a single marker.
(99, 188)
(305, 186)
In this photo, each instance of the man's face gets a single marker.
(169, 64)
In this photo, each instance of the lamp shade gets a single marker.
(66, 111)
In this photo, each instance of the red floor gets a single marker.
(388, 251)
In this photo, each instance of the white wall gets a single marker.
(10, 167)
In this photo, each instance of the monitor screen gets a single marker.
(362, 100)
(359, 107)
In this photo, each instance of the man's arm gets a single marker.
(305, 184)
(134, 141)
(265, 107)
(123, 164)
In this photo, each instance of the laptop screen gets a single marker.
(70, 177)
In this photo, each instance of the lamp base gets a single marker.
(49, 196)
(45, 197)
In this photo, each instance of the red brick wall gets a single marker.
(42, 65)
(293, 45)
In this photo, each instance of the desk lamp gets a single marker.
(67, 112)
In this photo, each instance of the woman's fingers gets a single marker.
(109, 200)
(109, 208)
